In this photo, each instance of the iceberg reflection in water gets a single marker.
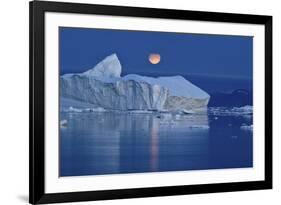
(127, 142)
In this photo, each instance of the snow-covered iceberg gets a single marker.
(103, 87)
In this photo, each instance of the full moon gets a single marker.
(154, 58)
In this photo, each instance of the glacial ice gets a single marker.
(103, 87)
(63, 123)
(233, 111)
(246, 127)
(109, 67)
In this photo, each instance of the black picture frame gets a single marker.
(37, 193)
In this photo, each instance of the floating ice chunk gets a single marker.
(199, 127)
(226, 111)
(247, 127)
(72, 105)
(73, 109)
(247, 109)
(63, 123)
(97, 109)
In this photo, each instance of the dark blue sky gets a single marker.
(216, 55)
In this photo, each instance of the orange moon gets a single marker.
(154, 58)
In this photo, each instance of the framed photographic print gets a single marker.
(140, 102)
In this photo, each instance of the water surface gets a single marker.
(112, 143)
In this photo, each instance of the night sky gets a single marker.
(181, 54)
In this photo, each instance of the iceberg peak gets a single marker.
(108, 67)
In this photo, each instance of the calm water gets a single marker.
(111, 143)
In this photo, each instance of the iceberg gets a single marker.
(103, 87)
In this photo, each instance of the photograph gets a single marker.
(133, 102)
(140, 102)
